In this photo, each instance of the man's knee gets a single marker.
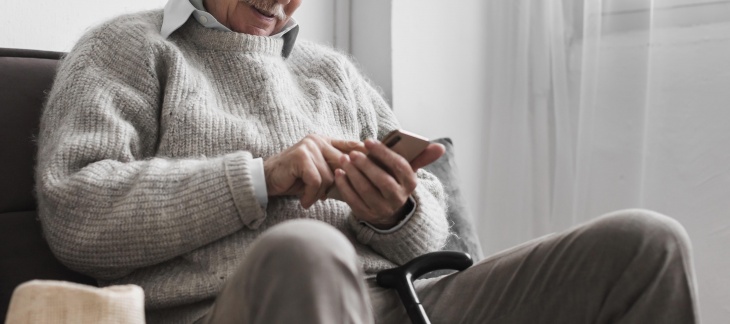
(299, 268)
(301, 246)
(634, 232)
(645, 226)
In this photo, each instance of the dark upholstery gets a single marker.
(25, 78)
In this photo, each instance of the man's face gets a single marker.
(254, 17)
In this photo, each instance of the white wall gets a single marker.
(317, 21)
(57, 25)
(440, 80)
(370, 41)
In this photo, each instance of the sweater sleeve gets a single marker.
(107, 204)
(427, 229)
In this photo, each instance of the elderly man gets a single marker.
(191, 151)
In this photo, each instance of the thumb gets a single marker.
(432, 153)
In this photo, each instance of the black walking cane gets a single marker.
(401, 278)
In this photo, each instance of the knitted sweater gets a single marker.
(145, 145)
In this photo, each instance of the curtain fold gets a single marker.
(600, 105)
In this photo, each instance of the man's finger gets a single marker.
(345, 146)
(369, 193)
(312, 183)
(390, 161)
(326, 175)
(331, 156)
(349, 195)
(381, 179)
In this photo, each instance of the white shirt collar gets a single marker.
(177, 13)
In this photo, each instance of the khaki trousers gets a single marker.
(630, 266)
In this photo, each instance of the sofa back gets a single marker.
(25, 78)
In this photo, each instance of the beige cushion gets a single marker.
(47, 301)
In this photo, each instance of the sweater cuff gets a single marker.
(240, 181)
(425, 231)
(400, 224)
(258, 179)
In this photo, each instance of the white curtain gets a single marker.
(597, 106)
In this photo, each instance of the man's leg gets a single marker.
(302, 271)
(627, 267)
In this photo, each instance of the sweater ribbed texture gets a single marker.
(145, 150)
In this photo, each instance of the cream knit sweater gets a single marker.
(145, 146)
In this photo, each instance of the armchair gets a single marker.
(25, 78)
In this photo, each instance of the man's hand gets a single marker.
(377, 186)
(305, 169)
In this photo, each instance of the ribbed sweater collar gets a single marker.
(212, 39)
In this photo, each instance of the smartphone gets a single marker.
(406, 144)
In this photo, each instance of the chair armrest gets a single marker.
(401, 278)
